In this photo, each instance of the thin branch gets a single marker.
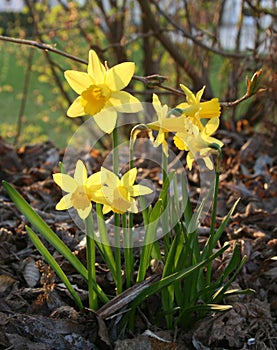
(241, 99)
(42, 46)
(195, 40)
(149, 81)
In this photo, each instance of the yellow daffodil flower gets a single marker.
(197, 110)
(100, 92)
(164, 124)
(81, 190)
(198, 144)
(119, 193)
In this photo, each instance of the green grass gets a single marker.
(44, 117)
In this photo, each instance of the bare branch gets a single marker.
(195, 40)
(42, 46)
(151, 81)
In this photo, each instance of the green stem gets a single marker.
(214, 211)
(115, 151)
(117, 217)
(128, 252)
(93, 302)
(165, 223)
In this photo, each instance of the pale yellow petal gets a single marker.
(124, 102)
(76, 109)
(191, 99)
(64, 203)
(179, 143)
(84, 213)
(98, 197)
(133, 208)
(200, 93)
(140, 190)
(80, 174)
(106, 120)
(156, 103)
(109, 178)
(183, 105)
(106, 209)
(95, 68)
(94, 181)
(78, 81)
(208, 162)
(129, 178)
(159, 139)
(66, 182)
(190, 159)
(211, 126)
(119, 76)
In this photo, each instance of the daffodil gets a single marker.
(197, 110)
(199, 144)
(164, 124)
(119, 193)
(81, 190)
(100, 92)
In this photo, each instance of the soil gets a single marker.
(36, 311)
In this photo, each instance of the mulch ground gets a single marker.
(36, 311)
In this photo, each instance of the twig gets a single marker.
(42, 46)
(234, 55)
(151, 80)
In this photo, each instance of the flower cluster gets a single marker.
(192, 129)
(101, 97)
(103, 187)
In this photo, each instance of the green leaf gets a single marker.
(55, 266)
(231, 292)
(213, 241)
(44, 229)
(164, 282)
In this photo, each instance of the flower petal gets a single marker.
(211, 126)
(191, 99)
(140, 190)
(106, 120)
(119, 76)
(76, 109)
(94, 181)
(179, 142)
(95, 68)
(109, 178)
(210, 109)
(64, 203)
(124, 102)
(80, 174)
(156, 103)
(159, 139)
(106, 209)
(200, 93)
(133, 208)
(78, 81)
(190, 159)
(129, 178)
(66, 182)
(208, 162)
(84, 213)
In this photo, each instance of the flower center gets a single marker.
(120, 201)
(94, 98)
(79, 198)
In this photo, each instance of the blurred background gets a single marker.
(213, 43)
